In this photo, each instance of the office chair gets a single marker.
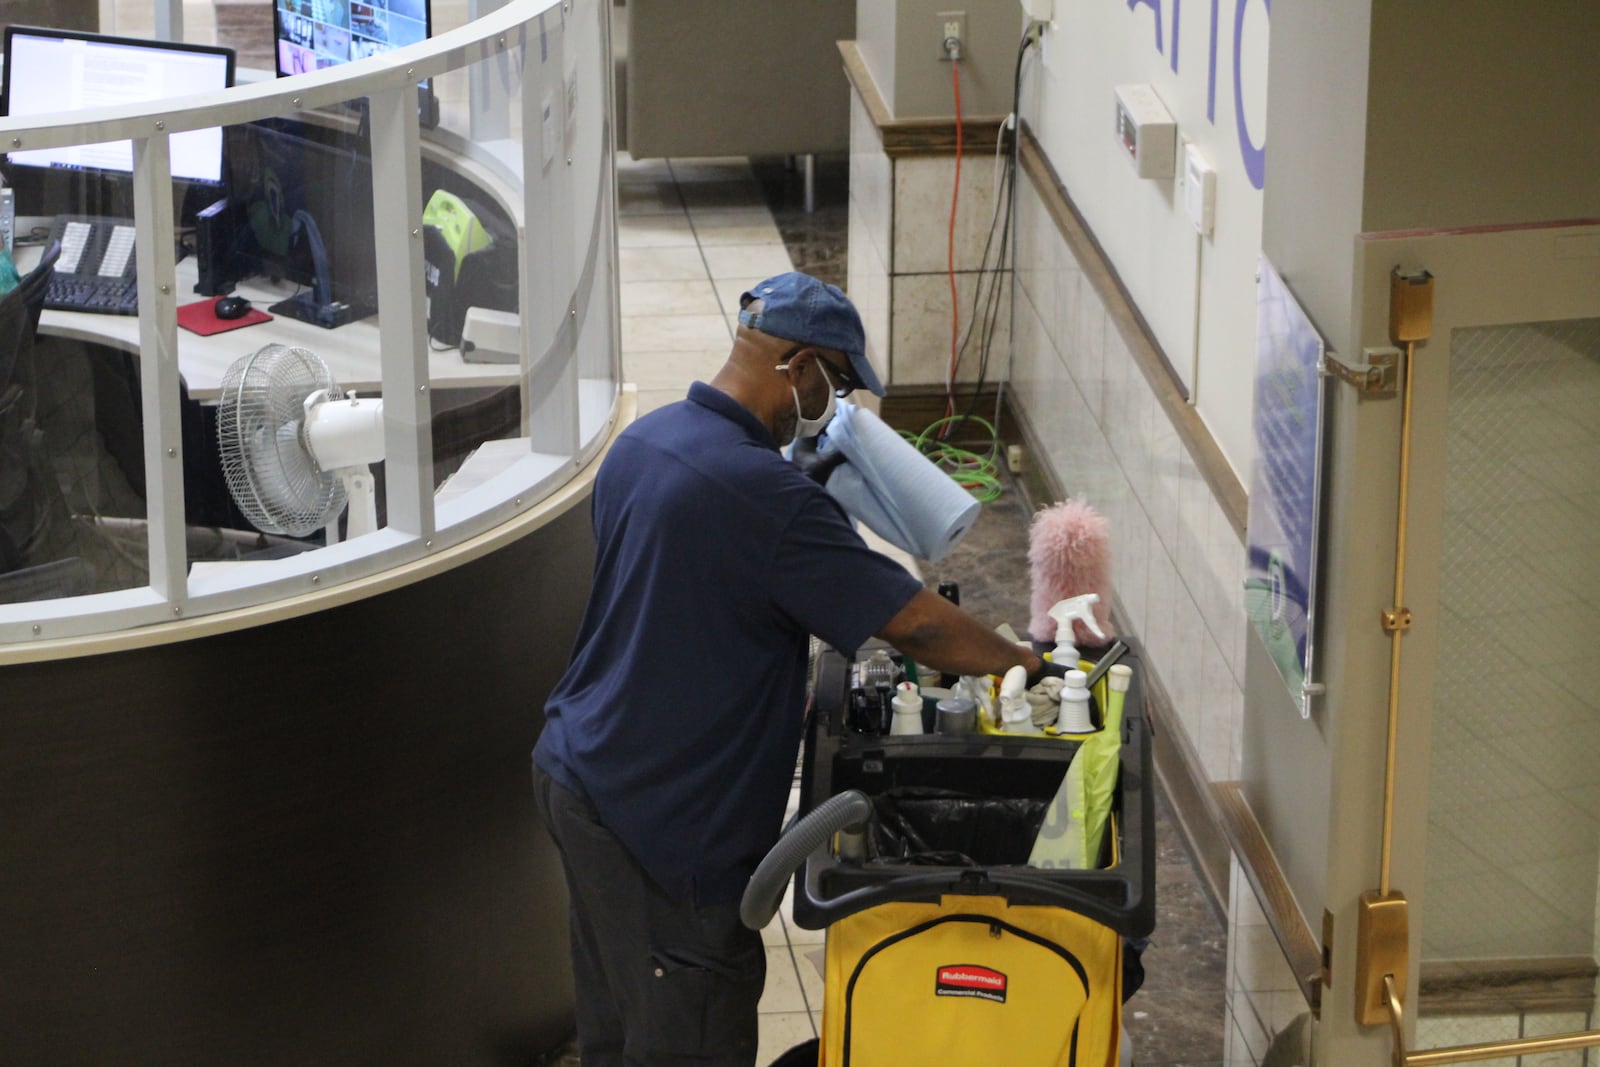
(33, 513)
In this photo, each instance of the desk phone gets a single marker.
(97, 271)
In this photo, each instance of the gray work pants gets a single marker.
(659, 982)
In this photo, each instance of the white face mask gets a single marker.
(805, 427)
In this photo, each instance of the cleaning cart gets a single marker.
(944, 946)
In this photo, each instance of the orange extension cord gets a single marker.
(950, 261)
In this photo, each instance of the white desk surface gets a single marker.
(351, 352)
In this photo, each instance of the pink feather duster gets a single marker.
(1069, 554)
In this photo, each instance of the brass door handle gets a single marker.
(1489, 1050)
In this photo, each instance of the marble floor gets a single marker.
(693, 234)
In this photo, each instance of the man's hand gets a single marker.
(813, 463)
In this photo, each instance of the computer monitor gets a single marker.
(48, 71)
(300, 199)
(312, 34)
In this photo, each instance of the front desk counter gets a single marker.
(302, 833)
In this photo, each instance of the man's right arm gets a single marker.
(935, 632)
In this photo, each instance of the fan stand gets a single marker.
(362, 516)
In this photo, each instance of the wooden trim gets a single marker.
(1135, 333)
(912, 137)
(1272, 890)
(1182, 776)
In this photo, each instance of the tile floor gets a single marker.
(691, 237)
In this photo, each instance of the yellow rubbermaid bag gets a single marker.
(971, 981)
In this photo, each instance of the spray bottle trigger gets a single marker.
(1076, 608)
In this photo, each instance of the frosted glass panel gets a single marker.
(1514, 839)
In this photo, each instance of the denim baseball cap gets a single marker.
(800, 308)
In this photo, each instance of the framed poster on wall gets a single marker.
(1286, 487)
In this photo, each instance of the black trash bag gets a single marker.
(919, 825)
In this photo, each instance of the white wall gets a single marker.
(1197, 294)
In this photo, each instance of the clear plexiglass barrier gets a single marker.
(369, 317)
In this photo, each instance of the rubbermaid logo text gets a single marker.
(970, 980)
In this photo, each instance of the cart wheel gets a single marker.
(804, 1054)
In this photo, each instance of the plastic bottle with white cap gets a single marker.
(907, 706)
(1016, 716)
(1075, 717)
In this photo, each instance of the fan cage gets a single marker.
(266, 460)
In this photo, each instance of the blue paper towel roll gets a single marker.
(901, 495)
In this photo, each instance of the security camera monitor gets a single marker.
(313, 34)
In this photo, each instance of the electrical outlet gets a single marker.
(1014, 459)
(952, 27)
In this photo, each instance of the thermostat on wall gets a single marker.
(1199, 190)
(1146, 130)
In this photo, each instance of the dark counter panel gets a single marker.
(307, 842)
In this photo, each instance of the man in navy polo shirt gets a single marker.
(670, 744)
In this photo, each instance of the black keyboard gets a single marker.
(104, 296)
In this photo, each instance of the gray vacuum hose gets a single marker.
(761, 896)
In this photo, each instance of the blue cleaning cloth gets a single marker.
(900, 494)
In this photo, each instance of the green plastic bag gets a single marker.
(1101, 757)
(1075, 823)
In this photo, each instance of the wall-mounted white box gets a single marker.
(1146, 131)
(1199, 190)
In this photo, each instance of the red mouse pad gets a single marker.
(201, 317)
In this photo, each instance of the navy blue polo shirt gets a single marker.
(680, 714)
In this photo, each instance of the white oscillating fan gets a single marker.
(295, 449)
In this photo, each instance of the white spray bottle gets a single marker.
(1065, 613)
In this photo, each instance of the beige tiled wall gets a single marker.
(1178, 566)
(1262, 997)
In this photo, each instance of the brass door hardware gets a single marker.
(1410, 305)
(1383, 932)
(1488, 1050)
(1375, 378)
(1383, 924)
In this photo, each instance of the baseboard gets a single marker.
(1539, 986)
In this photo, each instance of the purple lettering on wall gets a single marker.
(1177, 13)
(1153, 5)
(1255, 158)
(1211, 72)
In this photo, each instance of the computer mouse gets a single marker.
(231, 307)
